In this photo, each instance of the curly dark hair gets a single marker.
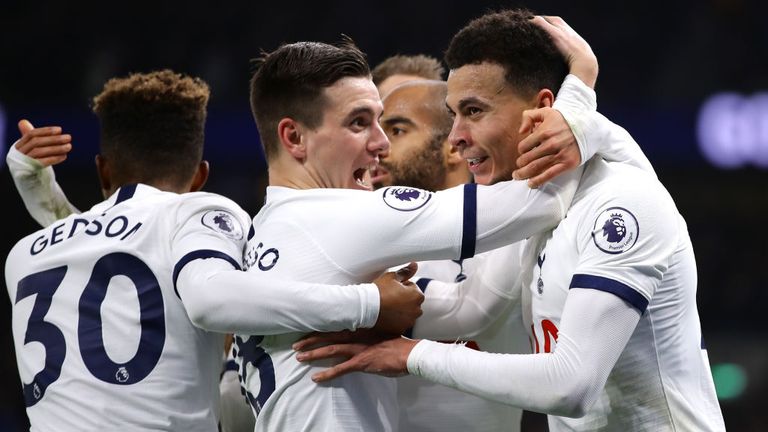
(153, 125)
(508, 38)
(289, 82)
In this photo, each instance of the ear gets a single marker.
(201, 176)
(545, 98)
(290, 132)
(105, 175)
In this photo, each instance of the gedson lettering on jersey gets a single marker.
(118, 227)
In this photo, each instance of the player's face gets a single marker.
(414, 158)
(342, 150)
(488, 114)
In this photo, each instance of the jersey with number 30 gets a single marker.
(103, 342)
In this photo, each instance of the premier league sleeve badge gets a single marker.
(616, 230)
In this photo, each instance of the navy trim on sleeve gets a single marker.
(229, 365)
(469, 235)
(200, 254)
(622, 290)
(126, 193)
(422, 283)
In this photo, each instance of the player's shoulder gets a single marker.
(197, 201)
(625, 203)
(613, 181)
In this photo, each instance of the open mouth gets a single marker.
(473, 162)
(362, 178)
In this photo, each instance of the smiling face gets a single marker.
(347, 144)
(488, 114)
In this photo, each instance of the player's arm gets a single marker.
(30, 162)
(399, 224)
(606, 299)
(219, 297)
(462, 310)
(594, 133)
(575, 116)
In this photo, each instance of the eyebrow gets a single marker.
(472, 100)
(360, 110)
(397, 119)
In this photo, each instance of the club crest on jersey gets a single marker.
(223, 222)
(615, 231)
(405, 198)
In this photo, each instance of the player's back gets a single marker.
(102, 340)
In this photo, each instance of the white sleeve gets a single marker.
(565, 382)
(42, 195)
(594, 133)
(455, 223)
(462, 310)
(218, 298)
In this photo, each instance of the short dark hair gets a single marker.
(289, 82)
(508, 38)
(420, 65)
(153, 125)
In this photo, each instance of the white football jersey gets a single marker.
(624, 235)
(428, 406)
(102, 340)
(343, 236)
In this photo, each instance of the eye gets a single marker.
(471, 110)
(359, 123)
(397, 131)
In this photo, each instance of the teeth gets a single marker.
(474, 161)
(361, 182)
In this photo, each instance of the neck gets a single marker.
(291, 174)
(456, 176)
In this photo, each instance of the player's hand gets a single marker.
(400, 301)
(577, 52)
(388, 358)
(46, 144)
(549, 150)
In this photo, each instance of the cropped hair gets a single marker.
(530, 59)
(153, 125)
(420, 65)
(289, 82)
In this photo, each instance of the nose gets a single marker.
(378, 144)
(459, 136)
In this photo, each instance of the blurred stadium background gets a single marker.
(689, 79)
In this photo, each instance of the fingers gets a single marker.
(49, 146)
(530, 119)
(406, 272)
(25, 126)
(35, 138)
(336, 371)
(322, 338)
(331, 351)
(535, 167)
(548, 174)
